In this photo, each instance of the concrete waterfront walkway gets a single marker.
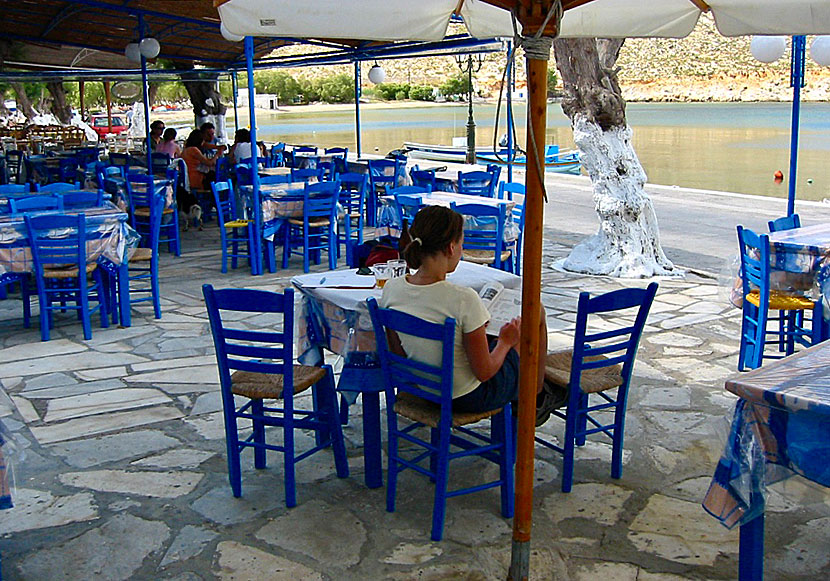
(124, 474)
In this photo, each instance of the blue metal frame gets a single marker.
(357, 91)
(796, 82)
(256, 251)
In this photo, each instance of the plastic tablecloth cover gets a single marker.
(277, 202)
(781, 427)
(109, 238)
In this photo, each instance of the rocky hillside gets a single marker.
(705, 66)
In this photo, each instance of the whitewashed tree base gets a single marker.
(627, 244)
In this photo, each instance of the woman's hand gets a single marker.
(510, 333)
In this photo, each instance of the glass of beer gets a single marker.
(382, 274)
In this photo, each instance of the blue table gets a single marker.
(781, 427)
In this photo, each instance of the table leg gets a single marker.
(124, 293)
(371, 439)
(751, 556)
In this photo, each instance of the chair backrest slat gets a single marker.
(785, 223)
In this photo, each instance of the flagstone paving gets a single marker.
(122, 473)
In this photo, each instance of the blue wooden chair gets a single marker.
(599, 363)
(353, 187)
(477, 183)
(281, 179)
(233, 231)
(508, 190)
(61, 270)
(306, 174)
(759, 299)
(14, 163)
(423, 393)
(10, 278)
(35, 203)
(82, 199)
(382, 173)
(160, 161)
(142, 189)
(276, 157)
(338, 159)
(785, 223)
(57, 187)
(494, 169)
(304, 157)
(484, 236)
(408, 201)
(143, 266)
(121, 160)
(258, 365)
(315, 231)
(6, 189)
(244, 177)
(424, 178)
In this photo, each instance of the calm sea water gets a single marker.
(734, 147)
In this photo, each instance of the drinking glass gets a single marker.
(382, 274)
(397, 268)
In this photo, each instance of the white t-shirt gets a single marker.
(242, 150)
(434, 303)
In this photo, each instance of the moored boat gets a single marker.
(555, 160)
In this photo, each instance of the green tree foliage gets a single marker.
(392, 91)
(277, 83)
(553, 80)
(337, 89)
(458, 85)
(421, 93)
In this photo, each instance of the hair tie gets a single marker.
(418, 240)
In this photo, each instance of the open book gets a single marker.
(503, 304)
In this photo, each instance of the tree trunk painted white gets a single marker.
(627, 243)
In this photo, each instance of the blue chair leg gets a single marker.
(336, 432)
(581, 419)
(259, 434)
(288, 455)
(392, 469)
(569, 442)
(154, 285)
(232, 445)
(102, 298)
(224, 235)
(286, 245)
(306, 251)
(500, 431)
(439, 508)
(25, 294)
(435, 441)
(617, 444)
(84, 303)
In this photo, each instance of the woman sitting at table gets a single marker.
(168, 144)
(199, 167)
(486, 371)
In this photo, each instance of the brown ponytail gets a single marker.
(433, 230)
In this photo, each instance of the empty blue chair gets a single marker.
(508, 190)
(304, 157)
(61, 269)
(339, 155)
(353, 188)
(477, 183)
(306, 174)
(141, 190)
(66, 171)
(484, 236)
(121, 160)
(35, 203)
(58, 187)
(10, 278)
(759, 298)
(785, 223)
(258, 365)
(233, 231)
(279, 179)
(315, 231)
(14, 163)
(82, 199)
(382, 173)
(599, 363)
(160, 161)
(408, 200)
(276, 156)
(423, 394)
(422, 177)
(6, 189)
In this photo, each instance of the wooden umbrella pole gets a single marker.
(108, 97)
(537, 69)
(81, 97)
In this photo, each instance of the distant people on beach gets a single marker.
(168, 144)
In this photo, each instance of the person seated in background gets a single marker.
(168, 144)
(200, 174)
(241, 148)
(208, 146)
(156, 130)
(486, 370)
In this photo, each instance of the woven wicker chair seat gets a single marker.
(142, 255)
(558, 371)
(144, 212)
(483, 256)
(429, 413)
(270, 385)
(354, 214)
(67, 272)
(313, 223)
(781, 301)
(237, 223)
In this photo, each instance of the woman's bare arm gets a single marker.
(486, 363)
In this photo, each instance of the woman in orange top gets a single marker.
(196, 162)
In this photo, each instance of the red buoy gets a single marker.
(779, 176)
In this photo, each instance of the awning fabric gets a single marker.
(428, 19)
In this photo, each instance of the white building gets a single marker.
(264, 101)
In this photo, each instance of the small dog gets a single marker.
(193, 214)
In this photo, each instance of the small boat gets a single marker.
(555, 160)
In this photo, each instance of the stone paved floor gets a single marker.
(124, 473)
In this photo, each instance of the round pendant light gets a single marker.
(149, 47)
(376, 74)
(132, 52)
(768, 49)
(820, 50)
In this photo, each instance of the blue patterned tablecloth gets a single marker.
(781, 427)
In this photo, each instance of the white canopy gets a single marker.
(389, 20)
